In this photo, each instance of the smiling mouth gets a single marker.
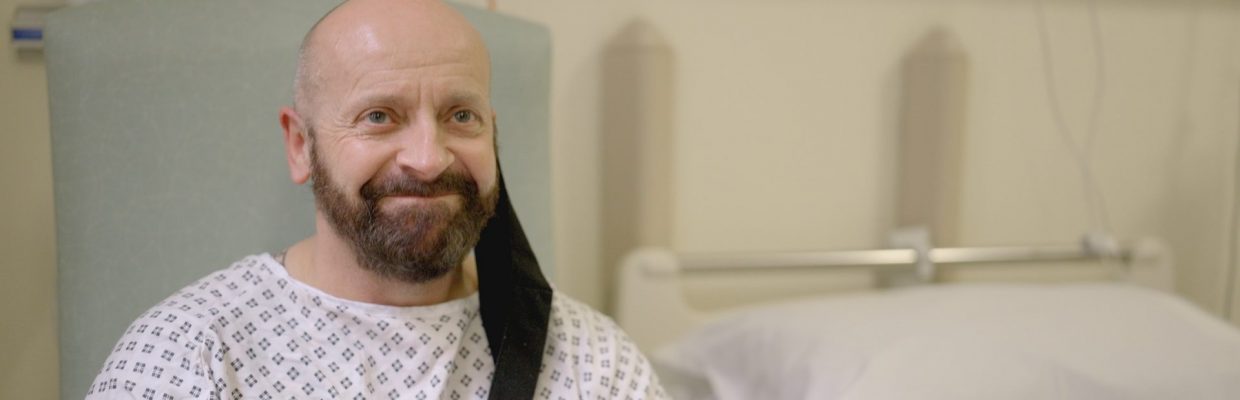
(417, 198)
(421, 196)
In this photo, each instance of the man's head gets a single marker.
(392, 121)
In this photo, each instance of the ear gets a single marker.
(495, 132)
(296, 145)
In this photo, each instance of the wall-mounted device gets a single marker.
(26, 29)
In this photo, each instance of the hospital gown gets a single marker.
(251, 331)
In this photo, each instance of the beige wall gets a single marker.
(787, 110)
(27, 269)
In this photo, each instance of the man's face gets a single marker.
(402, 145)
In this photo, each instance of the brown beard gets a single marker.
(414, 244)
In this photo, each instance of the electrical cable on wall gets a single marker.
(1082, 155)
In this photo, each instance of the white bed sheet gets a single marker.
(994, 341)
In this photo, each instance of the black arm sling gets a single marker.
(515, 301)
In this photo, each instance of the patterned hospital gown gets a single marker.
(251, 331)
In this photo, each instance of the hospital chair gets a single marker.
(168, 159)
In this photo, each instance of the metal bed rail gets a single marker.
(703, 262)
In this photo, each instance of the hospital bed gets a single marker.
(1058, 322)
(1094, 320)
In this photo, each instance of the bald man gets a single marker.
(392, 125)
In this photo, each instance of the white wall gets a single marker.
(1166, 141)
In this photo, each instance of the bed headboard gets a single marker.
(168, 160)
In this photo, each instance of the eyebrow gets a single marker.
(464, 97)
(379, 98)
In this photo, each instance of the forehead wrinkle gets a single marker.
(457, 82)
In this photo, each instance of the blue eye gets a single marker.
(377, 117)
(463, 117)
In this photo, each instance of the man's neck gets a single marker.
(325, 262)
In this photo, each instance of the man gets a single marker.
(392, 124)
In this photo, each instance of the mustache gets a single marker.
(449, 182)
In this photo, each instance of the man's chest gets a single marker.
(303, 352)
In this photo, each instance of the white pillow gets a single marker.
(996, 341)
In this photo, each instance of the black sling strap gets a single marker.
(515, 302)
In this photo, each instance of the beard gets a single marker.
(411, 243)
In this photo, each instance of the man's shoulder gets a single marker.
(578, 330)
(572, 315)
(194, 314)
(208, 298)
(168, 348)
(588, 349)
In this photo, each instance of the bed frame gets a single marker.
(663, 294)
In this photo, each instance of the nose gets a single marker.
(423, 153)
